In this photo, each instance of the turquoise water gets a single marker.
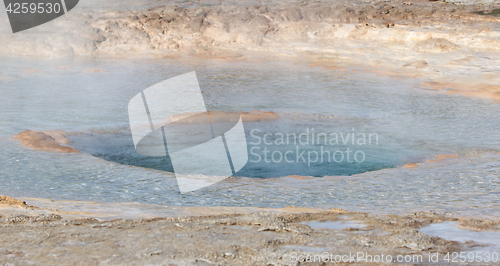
(410, 125)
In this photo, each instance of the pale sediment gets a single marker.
(211, 235)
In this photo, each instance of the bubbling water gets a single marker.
(411, 126)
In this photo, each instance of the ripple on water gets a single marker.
(412, 125)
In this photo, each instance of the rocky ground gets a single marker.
(43, 236)
(454, 47)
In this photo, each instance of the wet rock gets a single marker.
(43, 142)
(410, 165)
(480, 224)
(259, 238)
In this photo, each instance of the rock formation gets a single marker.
(44, 142)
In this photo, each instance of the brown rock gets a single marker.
(9, 201)
(410, 165)
(252, 116)
(43, 142)
(256, 116)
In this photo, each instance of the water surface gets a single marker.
(412, 125)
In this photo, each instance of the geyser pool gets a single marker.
(412, 125)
